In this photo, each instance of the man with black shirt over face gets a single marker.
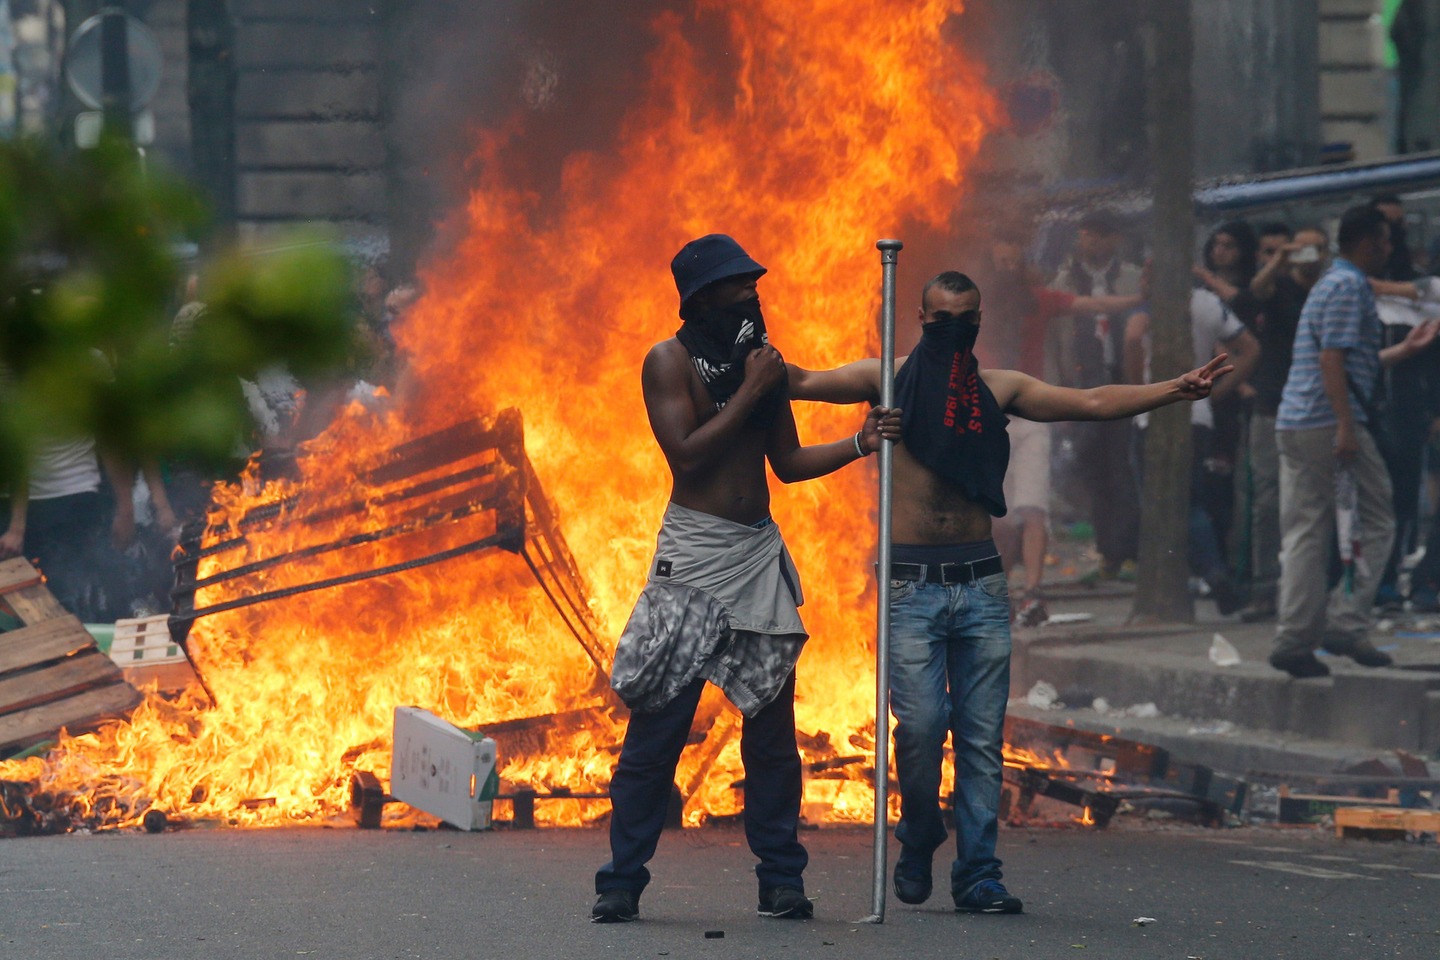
(950, 609)
(721, 603)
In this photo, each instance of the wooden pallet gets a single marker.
(473, 476)
(1384, 821)
(52, 675)
(1315, 807)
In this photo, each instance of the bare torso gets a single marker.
(929, 510)
(734, 486)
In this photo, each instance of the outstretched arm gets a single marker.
(1421, 336)
(1106, 304)
(1395, 288)
(857, 382)
(1037, 400)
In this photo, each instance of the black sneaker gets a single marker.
(1357, 648)
(1300, 664)
(1424, 600)
(1227, 596)
(1388, 598)
(1365, 654)
(615, 906)
(785, 903)
(988, 896)
(1258, 612)
(1032, 612)
(912, 879)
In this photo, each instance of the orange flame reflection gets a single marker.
(844, 122)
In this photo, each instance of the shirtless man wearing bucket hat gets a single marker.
(722, 597)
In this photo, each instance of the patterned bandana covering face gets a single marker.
(951, 421)
(719, 340)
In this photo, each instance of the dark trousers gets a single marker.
(640, 790)
(1407, 433)
(65, 537)
(1207, 556)
(1426, 574)
(1207, 550)
(1105, 472)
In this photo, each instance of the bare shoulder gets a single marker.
(671, 349)
(667, 355)
(666, 363)
(1005, 385)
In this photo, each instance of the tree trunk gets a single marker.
(413, 184)
(1162, 591)
(211, 30)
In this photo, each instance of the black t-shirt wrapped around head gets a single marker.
(950, 420)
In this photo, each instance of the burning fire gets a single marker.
(836, 123)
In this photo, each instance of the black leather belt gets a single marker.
(947, 573)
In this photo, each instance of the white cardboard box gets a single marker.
(144, 642)
(442, 769)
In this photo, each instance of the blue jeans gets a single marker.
(950, 672)
(640, 790)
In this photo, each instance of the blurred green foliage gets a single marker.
(89, 265)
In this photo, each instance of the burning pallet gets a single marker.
(1098, 772)
(473, 477)
(465, 489)
(52, 674)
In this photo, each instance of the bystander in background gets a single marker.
(1090, 356)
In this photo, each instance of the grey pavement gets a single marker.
(518, 895)
(1243, 717)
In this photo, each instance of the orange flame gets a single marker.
(843, 122)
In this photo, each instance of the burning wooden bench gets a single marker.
(473, 478)
(464, 489)
(52, 674)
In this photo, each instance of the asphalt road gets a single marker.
(517, 895)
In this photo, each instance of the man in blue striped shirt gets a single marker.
(1330, 400)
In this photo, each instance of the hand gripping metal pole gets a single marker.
(889, 254)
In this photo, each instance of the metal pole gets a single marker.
(115, 71)
(889, 254)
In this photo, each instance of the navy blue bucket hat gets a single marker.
(714, 257)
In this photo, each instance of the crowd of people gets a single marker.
(1311, 404)
(1258, 505)
(1314, 369)
(101, 528)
